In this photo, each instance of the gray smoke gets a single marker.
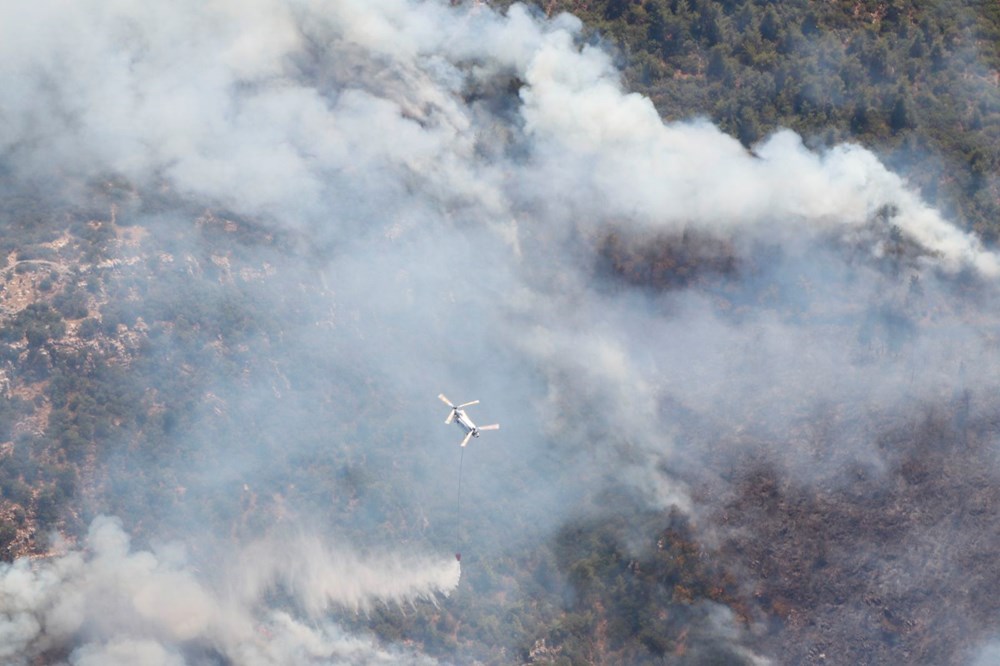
(121, 605)
(449, 178)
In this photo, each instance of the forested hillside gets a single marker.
(724, 272)
(917, 81)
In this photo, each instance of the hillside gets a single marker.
(724, 273)
(918, 82)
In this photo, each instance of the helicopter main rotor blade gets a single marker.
(468, 435)
(445, 400)
(492, 426)
(467, 404)
(451, 417)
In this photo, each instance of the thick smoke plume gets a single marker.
(119, 605)
(468, 202)
(275, 108)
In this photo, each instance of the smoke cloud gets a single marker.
(118, 605)
(469, 202)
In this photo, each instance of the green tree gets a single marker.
(901, 116)
(770, 26)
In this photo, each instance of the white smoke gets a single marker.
(318, 578)
(616, 154)
(986, 654)
(465, 163)
(212, 98)
(355, 121)
(119, 605)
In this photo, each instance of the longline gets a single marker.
(458, 512)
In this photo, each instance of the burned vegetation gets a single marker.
(841, 527)
(666, 260)
(877, 565)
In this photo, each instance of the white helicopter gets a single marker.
(459, 416)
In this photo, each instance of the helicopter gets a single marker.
(459, 416)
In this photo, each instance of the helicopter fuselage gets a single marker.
(465, 423)
(459, 416)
